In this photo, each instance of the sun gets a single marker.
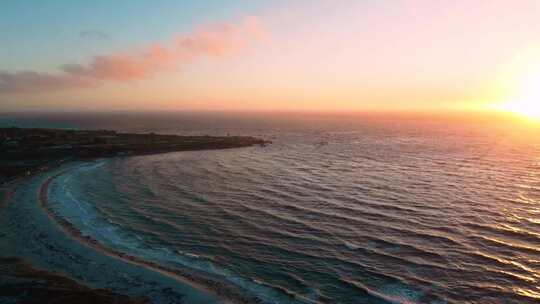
(524, 97)
(528, 108)
(526, 101)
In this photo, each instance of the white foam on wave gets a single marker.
(89, 221)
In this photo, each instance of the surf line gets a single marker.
(226, 293)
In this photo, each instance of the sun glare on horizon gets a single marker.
(526, 101)
(526, 108)
(524, 97)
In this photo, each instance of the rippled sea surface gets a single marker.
(336, 210)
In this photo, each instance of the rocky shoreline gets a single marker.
(27, 151)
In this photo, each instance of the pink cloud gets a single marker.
(210, 41)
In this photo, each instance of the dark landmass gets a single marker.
(24, 151)
(26, 285)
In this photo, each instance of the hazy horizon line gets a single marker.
(223, 111)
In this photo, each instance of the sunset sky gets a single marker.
(269, 55)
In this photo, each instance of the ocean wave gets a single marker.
(363, 220)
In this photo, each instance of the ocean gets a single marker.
(357, 208)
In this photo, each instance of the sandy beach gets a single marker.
(225, 293)
(19, 277)
(46, 246)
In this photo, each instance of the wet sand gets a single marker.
(22, 283)
(6, 190)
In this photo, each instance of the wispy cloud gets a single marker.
(29, 81)
(208, 41)
(93, 35)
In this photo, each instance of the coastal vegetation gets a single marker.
(23, 151)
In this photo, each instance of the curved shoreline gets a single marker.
(224, 292)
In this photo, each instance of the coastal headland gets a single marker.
(23, 151)
(26, 152)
